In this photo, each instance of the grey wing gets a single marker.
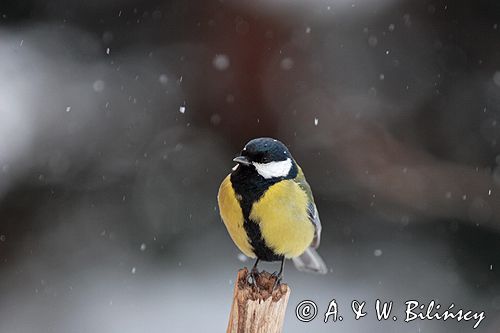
(314, 217)
(310, 261)
(311, 208)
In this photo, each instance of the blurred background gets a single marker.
(119, 119)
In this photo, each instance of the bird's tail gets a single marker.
(310, 261)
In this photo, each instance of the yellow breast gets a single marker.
(282, 216)
(232, 216)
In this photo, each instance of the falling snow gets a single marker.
(286, 64)
(496, 78)
(98, 85)
(215, 119)
(372, 41)
(221, 62)
(163, 79)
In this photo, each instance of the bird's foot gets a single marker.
(278, 277)
(252, 277)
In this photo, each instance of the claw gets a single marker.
(277, 282)
(279, 276)
(252, 277)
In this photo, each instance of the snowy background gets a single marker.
(119, 119)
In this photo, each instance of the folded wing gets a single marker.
(310, 260)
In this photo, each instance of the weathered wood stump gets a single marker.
(258, 308)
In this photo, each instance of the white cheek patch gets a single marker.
(273, 169)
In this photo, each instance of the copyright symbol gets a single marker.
(306, 311)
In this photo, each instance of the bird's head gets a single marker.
(269, 157)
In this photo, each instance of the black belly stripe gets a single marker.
(251, 186)
(260, 248)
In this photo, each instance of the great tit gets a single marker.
(268, 207)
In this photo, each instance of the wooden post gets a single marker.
(257, 309)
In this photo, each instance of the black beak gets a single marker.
(242, 160)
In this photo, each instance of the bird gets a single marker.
(268, 208)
